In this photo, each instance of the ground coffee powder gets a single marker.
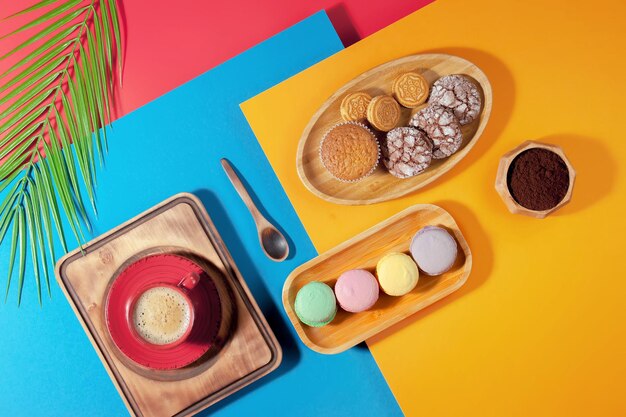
(538, 179)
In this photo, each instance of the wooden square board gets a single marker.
(180, 225)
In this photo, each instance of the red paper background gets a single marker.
(168, 43)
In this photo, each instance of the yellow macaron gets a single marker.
(397, 273)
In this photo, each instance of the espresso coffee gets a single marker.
(161, 315)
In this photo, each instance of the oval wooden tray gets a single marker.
(364, 251)
(382, 186)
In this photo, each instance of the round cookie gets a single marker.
(354, 107)
(397, 273)
(459, 94)
(349, 151)
(356, 290)
(315, 304)
(442, 129)
(410, 89)
(406, 152)
(434, 250)
(383, 113)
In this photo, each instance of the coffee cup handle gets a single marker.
(189, 281)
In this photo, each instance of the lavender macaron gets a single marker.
(356, 290)
(434, 250)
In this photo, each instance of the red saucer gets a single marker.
(150, 271)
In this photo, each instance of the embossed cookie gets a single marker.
(383, 113)
(349, 151)
(441, 127)
(410, 89)
(406, 152)
(354, 106)
(459, 94)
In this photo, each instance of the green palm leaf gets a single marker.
(55, 103)
(36, 6)
(46, 16)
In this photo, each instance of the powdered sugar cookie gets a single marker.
(406, 152)
(459, 94)
(441, 127)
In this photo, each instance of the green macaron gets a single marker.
(315, 304)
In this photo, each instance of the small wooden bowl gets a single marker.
(502, 184)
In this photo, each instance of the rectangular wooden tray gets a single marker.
(251, 351)
(363, 251)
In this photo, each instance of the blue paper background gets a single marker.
(174, 144)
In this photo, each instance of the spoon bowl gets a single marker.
(274, 244)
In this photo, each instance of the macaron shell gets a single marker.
(315, 304)
(434, 250)
(356, 290)
(321, 323)
(397, 273)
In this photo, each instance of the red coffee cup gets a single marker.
(184, 287)
(189, 280)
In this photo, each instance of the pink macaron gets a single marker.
(356, 290)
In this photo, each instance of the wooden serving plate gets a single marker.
(363, 251)
(382, 186)
(249, 349)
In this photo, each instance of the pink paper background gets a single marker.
(171, 42)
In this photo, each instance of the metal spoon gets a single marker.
(272, 241)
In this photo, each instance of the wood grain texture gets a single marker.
(382, 186)
(179, 225)
(363, 251)
(502, 186)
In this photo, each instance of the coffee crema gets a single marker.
(161, 315)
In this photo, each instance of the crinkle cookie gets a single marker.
(459, 94)
(441, 127)
(406, 152)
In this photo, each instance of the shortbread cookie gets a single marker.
(354, 107)
(406, 152)
(349, 151)
(410, 89)
(441, 127)
(458, 93)
(383, 113)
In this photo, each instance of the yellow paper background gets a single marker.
(539, 329)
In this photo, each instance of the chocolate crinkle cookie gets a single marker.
(459, 94)
(441, 127)
(406, 152)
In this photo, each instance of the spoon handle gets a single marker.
(241, 190)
